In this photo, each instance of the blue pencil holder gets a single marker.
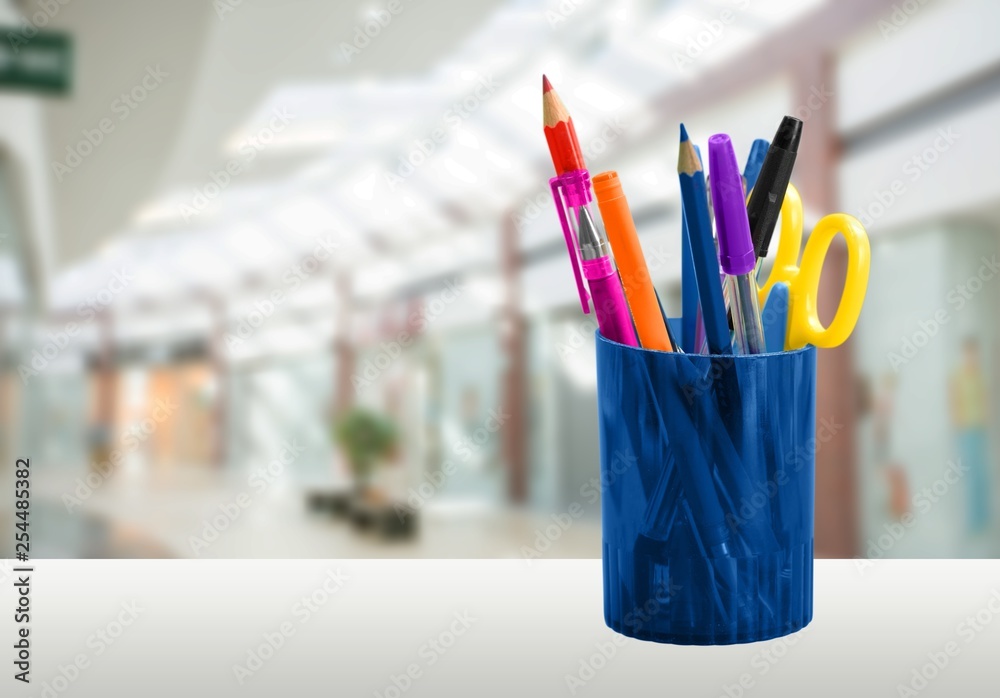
(707, 475)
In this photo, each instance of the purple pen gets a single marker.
(736, 255)
(589, 249)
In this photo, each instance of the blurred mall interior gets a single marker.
(283, 279)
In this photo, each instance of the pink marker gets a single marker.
(589, 249)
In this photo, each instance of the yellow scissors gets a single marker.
(804, 326)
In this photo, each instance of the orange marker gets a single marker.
(631, 262)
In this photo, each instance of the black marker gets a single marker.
(769, 191)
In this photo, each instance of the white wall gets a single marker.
(904, 57)
(946, 164)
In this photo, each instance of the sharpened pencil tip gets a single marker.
(546, 85)
(684, 133)
(688, 161)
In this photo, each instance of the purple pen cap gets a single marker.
(736, 255)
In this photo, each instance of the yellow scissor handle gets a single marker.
(786, 259)
(804, 326)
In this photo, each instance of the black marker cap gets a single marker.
(789, 134)
(769, 192)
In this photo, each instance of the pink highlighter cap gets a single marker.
(736, 256)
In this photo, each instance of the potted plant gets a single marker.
(366, 437)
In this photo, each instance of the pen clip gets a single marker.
(568, 184)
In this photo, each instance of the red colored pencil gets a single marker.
(560, 133)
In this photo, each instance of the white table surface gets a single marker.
(527, 629)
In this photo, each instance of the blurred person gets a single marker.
(970, 416)
(896, 478)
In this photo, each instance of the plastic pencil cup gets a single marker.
(707, 475)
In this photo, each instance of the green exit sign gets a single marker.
(42, 63)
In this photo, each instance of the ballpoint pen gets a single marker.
(758, 151)
(736, 252)
(588, 249)
(750, 173)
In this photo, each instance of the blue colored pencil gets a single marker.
(689, 292)
(694, 198)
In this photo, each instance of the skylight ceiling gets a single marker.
(407, 174)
